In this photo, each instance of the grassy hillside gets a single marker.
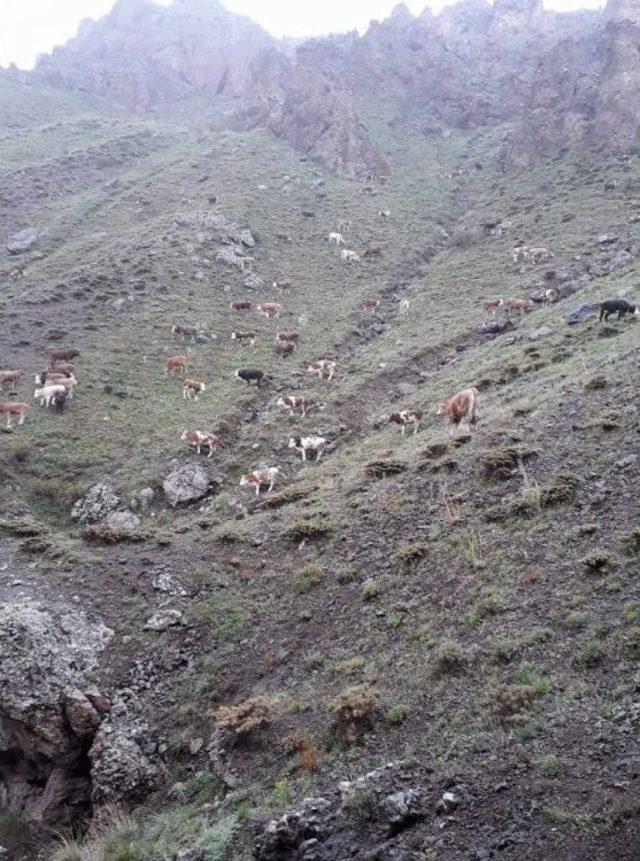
(477, 599)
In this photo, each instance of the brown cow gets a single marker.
(370, 304)
(175, 363)
(372, 251)
(288, 338)
(283, 286)
(8, 379)
(464, 405)
(283, 237)
(293, 402)
(197, 439)
(240, 305)
(492, 305)
(62, 367)
(64, 353)
(269, 309)
(519, 305)
(11, 408)
(407, 417)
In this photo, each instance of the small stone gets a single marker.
(163, 619)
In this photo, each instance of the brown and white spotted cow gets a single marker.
(198, 439)
(407, 417)
(260, 478)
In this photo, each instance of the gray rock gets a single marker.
(145, 497)
(167, 583)
(189, 855)
(402, 809)
(123, 519)
(308, 820)
(123, 766)
(98, 502)
(244, 237)
(22, 241)
(582, 313)
(253, 281)
(163, 619)
(188, 483)
(540, 332)
(228, 254)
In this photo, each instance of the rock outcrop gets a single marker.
(188, 483)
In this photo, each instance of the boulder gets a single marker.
(163, 619)
(308, 819)
(97, 503)
(540, 332)
(123, 768)
(402, 808)
(188, 483)
(582, 313)
(123, 519)
(244, 237)
(22, 241)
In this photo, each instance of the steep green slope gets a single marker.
(474, 601)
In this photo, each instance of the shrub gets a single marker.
(464, 237)
(597, 562)
(310, 530)
(397, 714)
(551, 766)
(631, 542)
(101, 534)
(592, 653)
(410, 553)
(252, 714)
(450, 659)
(300, 742)
(372, 588)
(510, 704)
(354, 710)
(307, 578)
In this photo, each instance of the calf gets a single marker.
(8, 379)
(321, 367)
(293, 402)
(551, 296)
(62, 367)
(59, 401)
(288, 338)
(260, 478)
(244, 337)
(240, 305)
(538, 255)
(370, 304)
(192, 390)
(348, 256)
(305, 444)
(66, 354)
(343, 225)
(616, 306)
(185, 331)
(175, 363)
(464, 405)
(492, 305)
(198, 439)
(51, 377)
(11, 408)
(520, 305)
(307, 213)
(269, 309)
(250, 375)
(407, 417)
(47, 393)
(384, 213)
(336, 238)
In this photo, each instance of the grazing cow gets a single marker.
(370, 304)
(282, 286)
(321, 367)
(492, 305)
(288, 338)
(384, 213)
(66, 354)
(304, 444)
(269, 309)
(192, 390)
(348, 256)
(185, 331)
(175, 363)
(260, 478)
(538, 255)
(551, 296)
(240, 305)
(244, 337)
(283, 237)
(343, 225)
(11, 408)
(407, 417)
(250, 375)
(307, 213)
(520, 305)
(336, 238)
(502, 227)
(403, 307)
(46, 394)
(616, 306)
(284, 350)
(8, 379)
(464, 405)
(45, 377)
(520, 254)
(372, 251)
(197, 439)
(293, 402)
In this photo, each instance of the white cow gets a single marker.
(336, 238)
(348, 256)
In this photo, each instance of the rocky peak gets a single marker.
(517, 16)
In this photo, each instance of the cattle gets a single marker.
(8, 379)
(12, 408)
(66, 354)
(240, 305)
(348, 256)
(62, 367)
(45, 377)
(321, 367)
(384, 213)
(192, 389)
(175, 363)
(284, 350)
(551, 296)
(244, 337)
(47, 393)
(283, 286)
(616, 306)
(372, 251)
(295, 402)
(343, 225)
(520, 254)
(269, 309)
(370, 304)
(403, 307)
(250, 375)
(305, 444)
(283, 237)
(492, 305)
(59, 401)
(260, 478)
(407, 417)
(336, 238)
(538, 255)
(185, 331)
(288, 338)
(520, 305)
(307, 213)
(198, 439)
(499, 229)
(464, 405)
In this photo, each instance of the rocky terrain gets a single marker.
(420, 647)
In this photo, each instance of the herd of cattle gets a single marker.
(56, 384)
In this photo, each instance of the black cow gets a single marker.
(617, 306)
(250, 375)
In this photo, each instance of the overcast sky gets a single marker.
(32, 27)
